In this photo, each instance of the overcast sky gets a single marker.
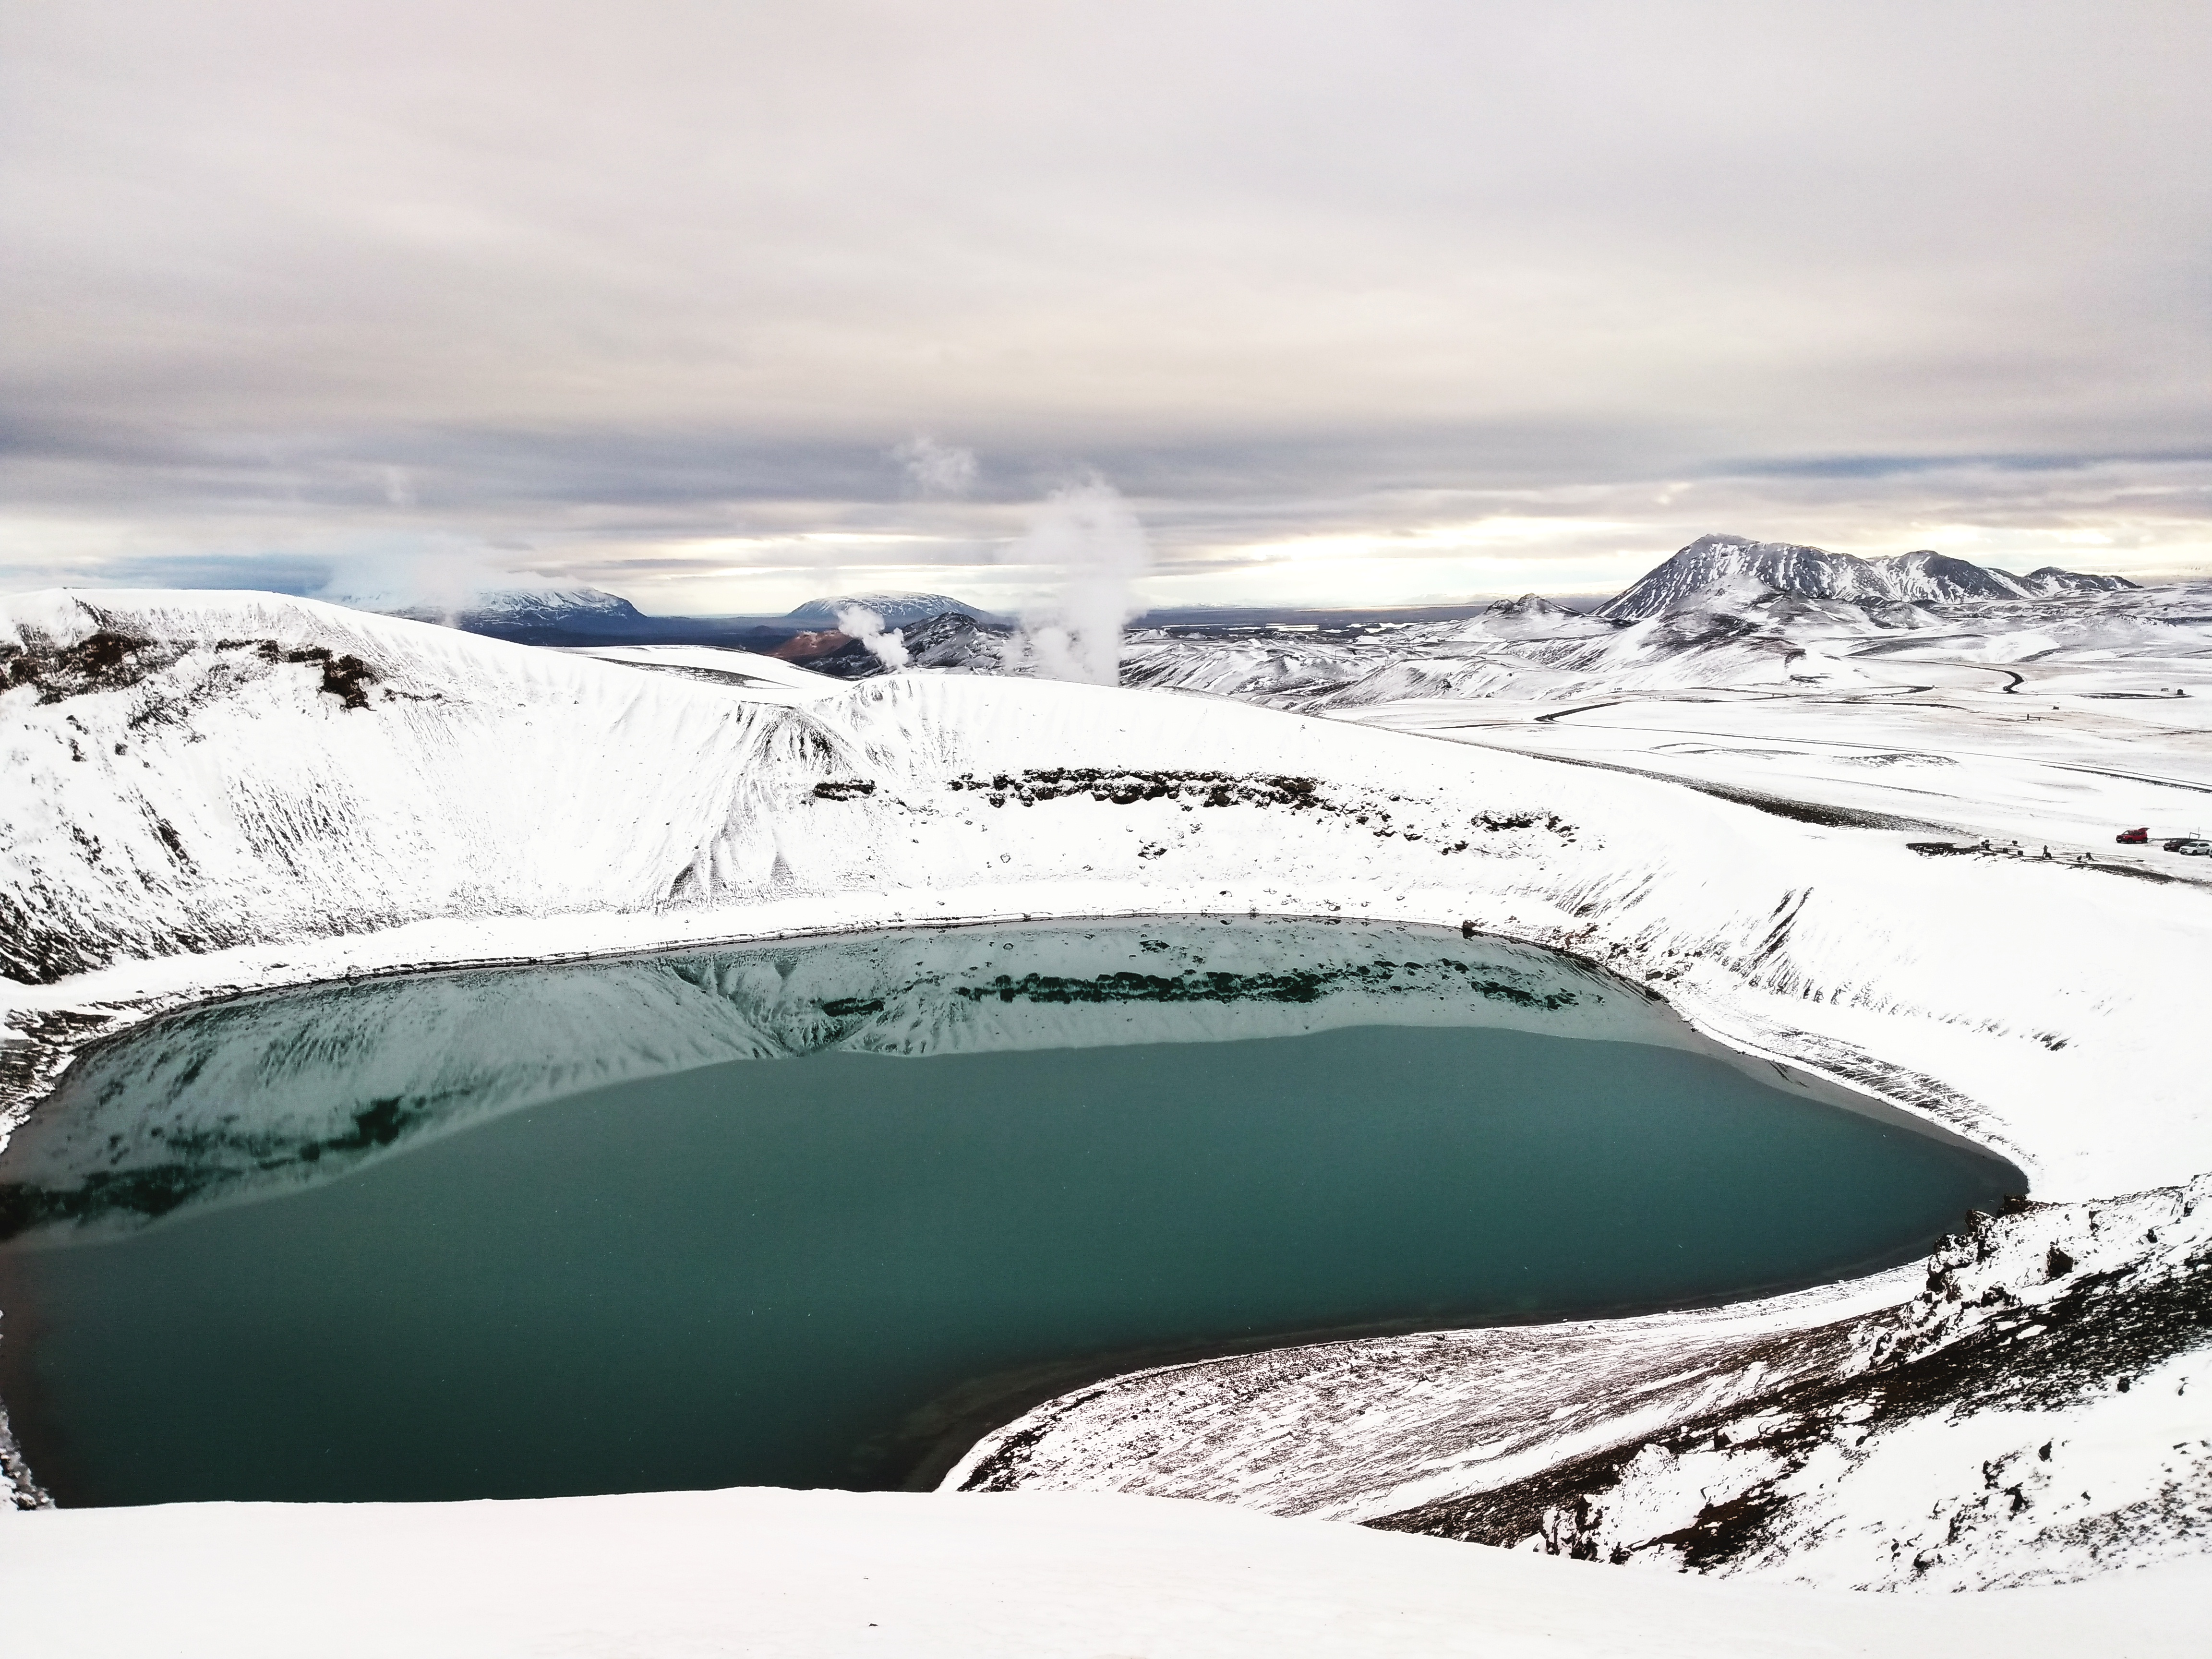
(1353, 303)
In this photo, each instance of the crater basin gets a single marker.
(820, 1214)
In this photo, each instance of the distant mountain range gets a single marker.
(591, 616)
(1724, 611)
(942, 631)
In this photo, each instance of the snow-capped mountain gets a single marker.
(528, 616)
(1713, 565)
(893, 610)
(519, 606)
(956, 642)
(950, 641)
(1532, 616)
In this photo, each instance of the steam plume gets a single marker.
(1088, 534)
(866, 626)
(937, 469)
(443, 576)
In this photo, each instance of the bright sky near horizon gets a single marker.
(721, 305)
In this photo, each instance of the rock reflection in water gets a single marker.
(274, 1093)
(537, 1231)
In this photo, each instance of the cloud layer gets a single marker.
(719, 305)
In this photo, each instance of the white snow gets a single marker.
(764, 1572)
(211, 811)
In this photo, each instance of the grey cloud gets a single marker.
(263, 572)
(615, 286)
(1891, 466)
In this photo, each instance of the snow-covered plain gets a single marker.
(212, 793)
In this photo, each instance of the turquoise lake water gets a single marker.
(821, 1264)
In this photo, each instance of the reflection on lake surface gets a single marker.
(533, 1231)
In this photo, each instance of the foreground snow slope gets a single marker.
(2034, 1410)
(1041, 1576)
(223, 792)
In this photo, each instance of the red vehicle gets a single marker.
(2132, 837)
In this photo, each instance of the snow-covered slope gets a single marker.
(782, 1574)
(2055, 774)
(221, 792)
(1040, 1576)
(2035, 1414)
(205, 772)
(2032, 1409)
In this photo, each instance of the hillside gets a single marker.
(230, 791)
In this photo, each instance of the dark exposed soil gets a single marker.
(1190, 790)
(1297, 985)
(347, 677)
(33, 951)
(1127, 789)
(111, 660)
(107, 660)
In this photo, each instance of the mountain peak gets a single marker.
(538, 607)
(1717, 564)
(1528, 605)
(893, 610)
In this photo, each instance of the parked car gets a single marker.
(2175, 843)
(2132, 837)
(2195, 849)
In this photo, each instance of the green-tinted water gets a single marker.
(821, 1270)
